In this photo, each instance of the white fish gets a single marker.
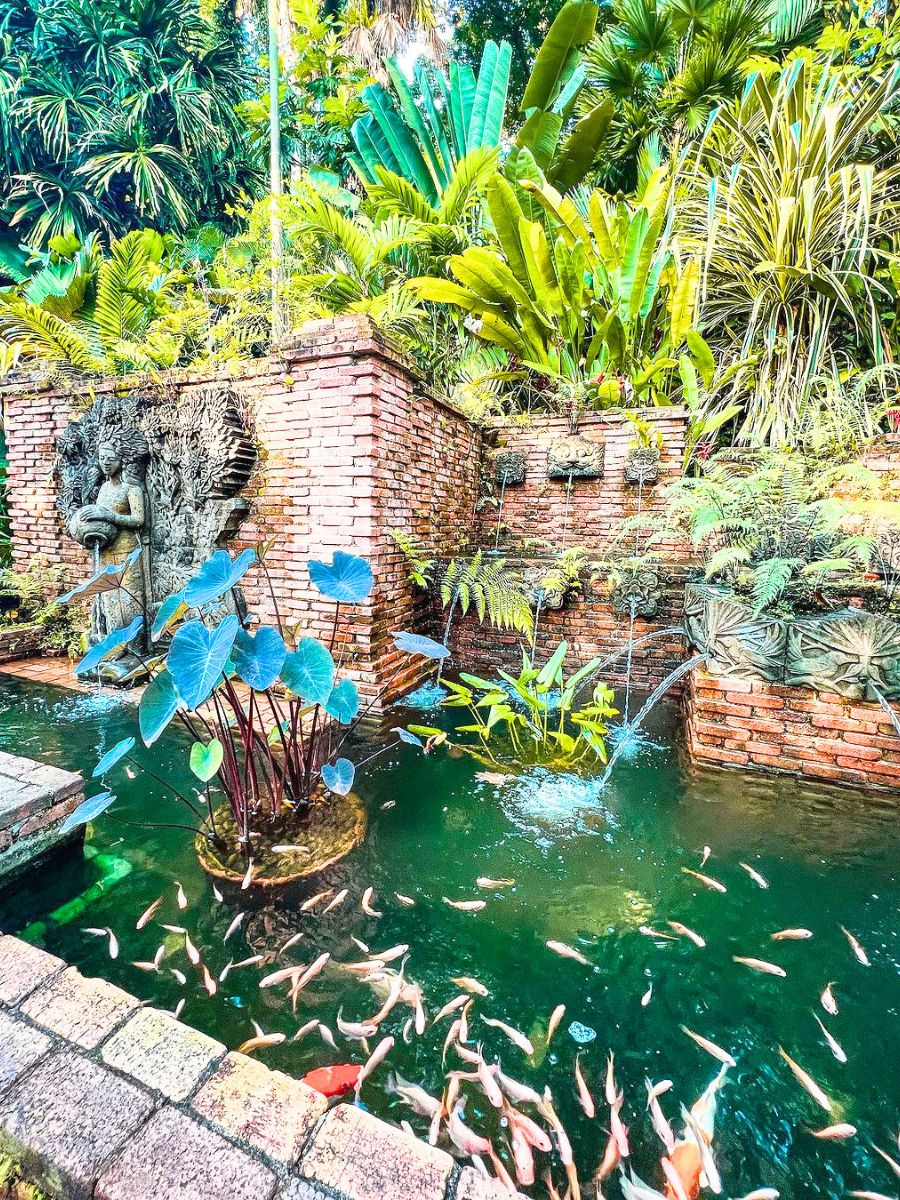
(702, 1139)
(647, 996)
(259, 1041)
(489, 1084)
(406, 901)
(290, 849)
(217, 894)
(707, 880)
(649, 931)
(310, 904)
(355, 1030)
(276, 977)
(484, 881)
(618, 1131)
(452, 1035)
(834, 1133)
(833, 1044)
(891, 1162)
(248, 962)
(464, 1138)
(191, 950)
(248, 876)
(495, 778)
(395, 952)
(148, 913)
(660, 1124)
(470, 985)
(856, 947)
(870, 1196)
(180, 976)
(311, 972)
(658, 1089)
(565, 951)
(304, 1030)
(395, 991)
(754, 875)
(710, 1047)
(519, 1093)
(105, 933)
(585, 1099)
(791, 935)
(234, 926)
(326, 1035)
(378, 1055)
(292, 941)
(523, 1159)
(828, 1001)
(763, 1193)
(707, 851)
(532, 1132)
(366, 904)
(180, 897)
(759, 964)
(450, 1007)
(208, 982)
(517, 1038)
(146, 966)
(635, 1189)
(174, 928)
(466, 905)
(807, 1082)
(673, 1178)
(610, 1091)
(420, 1101)
(555, 1017)
(336, 902)
(684, 931)
(179, 1008)
(360, 945)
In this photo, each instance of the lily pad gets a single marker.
(343, 703)
(197, 658)
(112, 642)
(258, 658)
(111, 757)
(338, 776)
(309, 671)
(158, 706)
(347, 578)
(206, 760)
(217, 576)
(87, 811)
(417, 643)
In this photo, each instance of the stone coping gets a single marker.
(103, 1097)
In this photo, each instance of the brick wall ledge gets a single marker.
(102, 1097)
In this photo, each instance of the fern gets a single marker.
(495, 592)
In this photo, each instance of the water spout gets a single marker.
(886, 705)
(565, 535)
(500, 513)
(630, 728)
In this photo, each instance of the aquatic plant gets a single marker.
(269, 714)
(534, 717)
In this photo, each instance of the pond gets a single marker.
(589, 871)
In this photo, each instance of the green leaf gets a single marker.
(206, 760)
(308, 671)
(580, 149)
(552, 668)
(573, 27)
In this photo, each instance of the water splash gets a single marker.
(499, 514)
(565, 533)
(426, 697)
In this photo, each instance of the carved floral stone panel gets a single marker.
(509, 467)
(576, 457)
(642, 465)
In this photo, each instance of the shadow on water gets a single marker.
(590, 870)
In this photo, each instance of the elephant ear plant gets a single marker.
(269, 715)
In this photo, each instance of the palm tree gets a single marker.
(116, 114)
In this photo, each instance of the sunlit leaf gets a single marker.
(111, 757)
(347, 579)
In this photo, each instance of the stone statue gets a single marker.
(160, 471)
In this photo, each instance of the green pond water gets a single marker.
(588, 870)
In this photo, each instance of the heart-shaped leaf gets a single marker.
(106, 580)
(338, 776)
(410, 738)
(111, 757)
(347, 578)
(197, 658)
(343, 703)
(206, 760)
(113, 641)
(87, 811)
(158, 706)
(170, 611)
(309, 671)
(417, 643)
(217, 576)
(258, 658)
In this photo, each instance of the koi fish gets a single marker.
(684, 931)
(248, 876)
(313, 901)
(517, 1038)
(585, 1099)
(833, 1044)
(466, 905)
(759, 964)
(406, 901)
(706, 880)
(366, 904)
(710, 1047)
(180, 897)
(673, 1180)
(856, 947)
(191, 951)
(333, 1081)
(336, 902)
(807, 1082)
(647, 996)
(754, 875)
(555, 1017)
(565, 951)
(470, 985)
(234, 926)
(834, 1133)
(107, 933)
(378, 1055)
(686, 1167)
(148, 913)
(420, 1101)
(463, 1137)
(483, 881)
(709, 1173)
(355, 1030)
(827, 1000)
(791, 935)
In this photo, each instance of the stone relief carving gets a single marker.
(576, 457)
(163, 472)
(509, 467)
(640, 587)
(642, 465)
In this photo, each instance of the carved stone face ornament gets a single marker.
(576, 457)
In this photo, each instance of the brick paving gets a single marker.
(102, 1099)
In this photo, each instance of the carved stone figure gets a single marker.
(576, 457)
(638, 586)
(741, 642)
(160, 472)
(642, 465)
(509, 467)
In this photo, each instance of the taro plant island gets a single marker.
(270, 717)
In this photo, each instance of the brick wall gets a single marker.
(590, 516)
(350, 445)
(758, 725)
